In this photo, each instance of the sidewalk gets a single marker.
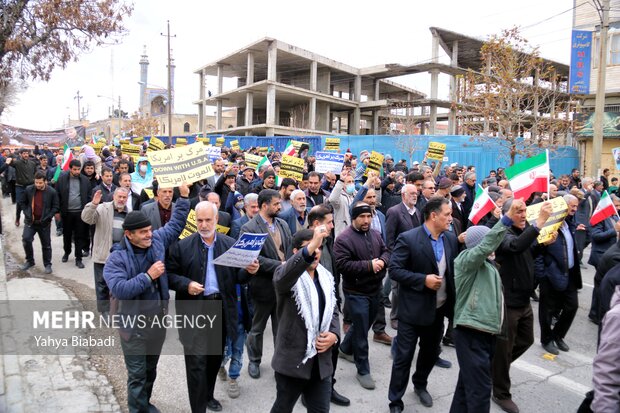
(48, 383)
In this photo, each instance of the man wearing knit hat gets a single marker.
(478, 313)
(136, 276)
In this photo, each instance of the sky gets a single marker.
(392, 31)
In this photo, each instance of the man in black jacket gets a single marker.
(423, 265)
(609, 260)
(25, 169)
(199, 283)
(40, 204)
(361, 258)
(310, 328)
(516, 268)
(74, 192)
(276, 250)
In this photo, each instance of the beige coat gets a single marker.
(102, 216)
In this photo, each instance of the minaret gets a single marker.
(144, 67)
(172, 66)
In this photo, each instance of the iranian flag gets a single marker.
(483, 204)
(264, 161)
(604, 209)
(290, 149)
(529, 176)
(66, 158)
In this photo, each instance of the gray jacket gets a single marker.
(151, 210)
(102, 216)
(606, 367)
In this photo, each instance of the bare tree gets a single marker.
(399, 120)
(142, 125)
(9, 92)
(518, 101)
(36, 36)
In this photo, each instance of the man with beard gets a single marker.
(315, 195)
(276, 250)
(296, 216)
(269, 181)
(108, 218)
(106, 186)
(200, 285)
(160, 211)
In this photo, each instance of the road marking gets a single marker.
(551, 377)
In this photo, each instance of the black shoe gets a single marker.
(85, 253)
(254, 370)
(594, 320)
(551, 348)
(153, 409)
(534, 296)
(214, 405)
(395, 409)
(387, 304)
(59, 232)
(339, 399)
(447, 341)
(79, 264)
(442, 363)
(27, 265)
(561, 345)
(425, 397)
(65, 258)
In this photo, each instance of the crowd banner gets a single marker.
(252, 160)
(156, 144)
(174, 166)
(375, 163)
(560, 210)
(332, 144)
(220, 141)
(292, 167)
(329, 162)
(243, 252)
(213, 152)
(436, 151)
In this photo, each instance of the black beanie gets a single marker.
(136, 220)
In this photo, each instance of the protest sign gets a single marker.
(99, 146)
(138, 140)
(243, 252)
(213, 152)
(222, 229)
(252, 160)
(375, 163)
(185, 164)
(332, 144)
(203, 140)
(329, 162)
(234, 145)
(132, 150)
(560, 211)
(291, 167)
(181, 142)
(190, 225)
(155, 144)
(220, 141)
(436, 150)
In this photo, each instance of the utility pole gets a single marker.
(119, 117)
(169, 85)
(78, 97)
(599, 105)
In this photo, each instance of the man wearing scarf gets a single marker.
(309, 326)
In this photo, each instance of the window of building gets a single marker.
(614, 49)
(186, 127)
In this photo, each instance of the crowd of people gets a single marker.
(339, 246)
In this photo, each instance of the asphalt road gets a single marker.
(539, 384)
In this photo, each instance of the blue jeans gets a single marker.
(234, 352)
(362, 309)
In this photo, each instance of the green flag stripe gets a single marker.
(526, 165)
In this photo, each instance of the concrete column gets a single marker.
(357, 111)
(277, 122)
(375, 122)
(312, 114)
(249, 108)
(272, 62)
(452, 116)
(376, 84)
(220, 79)
(313, 75)
(250, 69)
(271, 105)
(339, 130)
(218, 115)
(434, 85)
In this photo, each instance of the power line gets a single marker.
(554, 16)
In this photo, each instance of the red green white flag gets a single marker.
(529, 176)
(290, 149)
(604, 209)
(67, 157)
(483, 204)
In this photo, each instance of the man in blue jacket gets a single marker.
(137, 278)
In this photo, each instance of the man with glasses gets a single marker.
(428, 191)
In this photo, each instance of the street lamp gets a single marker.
(118, 113)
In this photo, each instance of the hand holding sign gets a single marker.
(184, 190)
(545, 212)
(253, 267)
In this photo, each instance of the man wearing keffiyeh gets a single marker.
(308, 325)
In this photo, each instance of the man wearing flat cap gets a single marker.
(136, 275)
